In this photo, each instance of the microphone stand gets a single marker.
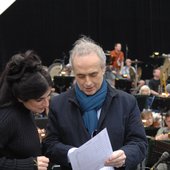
(154, 168)
(126, 53)
(136, 77)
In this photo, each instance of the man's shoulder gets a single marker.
(63, 96)
(120, 93)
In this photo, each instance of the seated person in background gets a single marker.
(168, 89)
(154, 83)
(140, 84)
(110, 77)
(147, 118)
(164, 132)
(128, 71)
(145, 90)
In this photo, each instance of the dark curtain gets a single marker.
(50, 27)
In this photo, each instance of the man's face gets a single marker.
(118, 47)
(167, 120)
(145, 92)
(88, 73)
(128, 62)
(156, 73)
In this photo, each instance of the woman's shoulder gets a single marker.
(7, 114)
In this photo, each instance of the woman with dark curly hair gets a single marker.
(25, 89)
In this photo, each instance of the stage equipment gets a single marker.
(138, 71)
(163, 157)
(155, 150)
(165, 74)
(62, 83)
(55, 69)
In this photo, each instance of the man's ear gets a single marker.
(104, 70)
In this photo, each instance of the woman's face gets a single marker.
(38, 105)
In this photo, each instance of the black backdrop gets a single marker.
(50, 27)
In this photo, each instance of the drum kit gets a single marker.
(58, 68)
(134, 75)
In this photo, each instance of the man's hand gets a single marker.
(117, 159)
(162, 137)
(42, 163)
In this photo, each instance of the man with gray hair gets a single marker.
(92, 105)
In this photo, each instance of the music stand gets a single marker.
(142, 101)
(62, 83)
(160, 103)
(123, 84)
(155, 150)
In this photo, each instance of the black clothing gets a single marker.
(154, 85)
(19, 141)
(119, 114)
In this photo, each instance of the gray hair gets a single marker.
(85, 46)
(145, 87)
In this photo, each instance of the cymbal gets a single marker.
(160, 56)
(136, 61)
(107, 52)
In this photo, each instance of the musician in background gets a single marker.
(147, 118)
(117, 57)
(145, 90)
(154, 83)
(128, 71)
(164, 132)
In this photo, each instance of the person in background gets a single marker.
(140, 84)
(25, 88)
(154, 83)
(168, 89)
(147, 118)
(117, 57)
(164, 132)
(145, 90)
(136, 90)
(89, 107)
(128, 71)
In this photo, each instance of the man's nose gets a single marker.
(88, 80)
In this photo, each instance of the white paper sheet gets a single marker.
(93, 154)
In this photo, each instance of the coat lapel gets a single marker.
(110, 95)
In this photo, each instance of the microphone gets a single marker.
(126, 47)
(163, 157)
